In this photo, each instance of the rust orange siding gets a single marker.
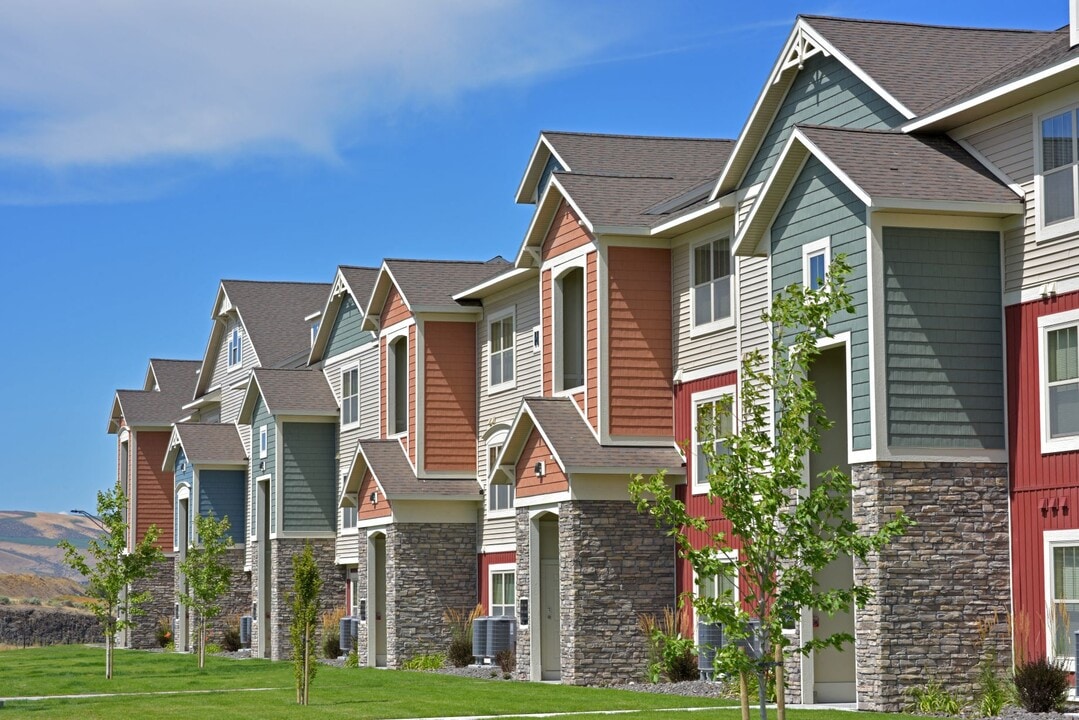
(367, 509)
(565, 233)
(412, 394)
(1044, 488)
(547, 300)
(394, 310)
(449, 414)
(591, 355)
(640, 396)
(485, 561)
(153, 493)
(527, 484)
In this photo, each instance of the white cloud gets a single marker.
(117, 82)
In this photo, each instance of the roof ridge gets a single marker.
(455, 262)
(358, 267)
(626, 136)
(274, 282)
(163, 359)
(809, 16)
(615, 176)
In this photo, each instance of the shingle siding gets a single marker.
(307, 476)
(944, 344)
(824, 92)
(221, 494)
(820, 206)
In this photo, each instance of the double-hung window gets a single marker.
(350, 396)
(500, 351)
(236, 349)
(1062, 592)
(713, 413)
(1058, 343)
(500, 495)
(711, 282)
(1057, 153)
(502, 590)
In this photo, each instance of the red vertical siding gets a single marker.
(449, 417)
(1044, 488)
(154, 491)
(640, 398)
(485, 561)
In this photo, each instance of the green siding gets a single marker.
(943, 337)
(310, 489)
(820, 206)
(824, 92)
(259, 418)
(346, 334)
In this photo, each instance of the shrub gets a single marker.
(507, 660)
(352, 660)
(230, 636)
(5, 600)
(331, 632)
(430, 661)
(460, 625)
(163, 631)
(1041, 685)
(932, 699)
(33, 601)
(671, 652)
(212, 648)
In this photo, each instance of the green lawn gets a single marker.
(335, 693)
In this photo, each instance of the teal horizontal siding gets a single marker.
(943, 339)
(347, 333)
(261, 417)
(221, 494)
(310, 488)
(820, 206)
(186, 474)
(824, 92)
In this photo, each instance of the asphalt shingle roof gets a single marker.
(361, 280)
(176, 380)
(897, 165)
(640, 156)
(388, 462)
(273, 314)
(431, 284)
(211, 444)
(296, 392)
(572, 440)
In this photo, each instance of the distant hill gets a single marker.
(28, 542)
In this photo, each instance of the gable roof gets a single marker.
(273, 316)
(388, 463)
(884, 169)
(575, 447)
(174, 380)
(299, 391)
(206, 444)
(429, 285)
(352, 280)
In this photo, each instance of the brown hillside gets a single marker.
(24, 587)
(28, 542)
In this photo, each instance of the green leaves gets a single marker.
(206, 576)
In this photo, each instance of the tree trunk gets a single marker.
(202, 643)
(108, 655)
(306, 664)
(781, 704)
(743, 693)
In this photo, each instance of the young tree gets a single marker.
(788, 529)
(306, 586)
(206, 575)
(114, 569)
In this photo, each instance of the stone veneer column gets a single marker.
(281, 553)
(430, 568)
(160, 606)
(361, 594)
(614, 566)
(936, 583)
(524, 647)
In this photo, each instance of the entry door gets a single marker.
(550, 622)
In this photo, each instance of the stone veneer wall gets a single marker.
(935, 584)
(281, 553)
(161, 605)
(521, 579)
(234, 603)
(614, 566)
(430, 568)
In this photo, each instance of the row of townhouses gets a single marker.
(452, 433)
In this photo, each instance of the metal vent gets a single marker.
(709, 639)
(246, 623)
(500, 634)
(479, 638)
(348, 634)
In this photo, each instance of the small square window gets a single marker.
(816, 257)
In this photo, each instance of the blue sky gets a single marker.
(148, 150)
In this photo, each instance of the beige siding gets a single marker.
(231, 399)
(753, 299)
(501, 407)
(696, 353)
(743, 213)
(1010, 147)
(347, 551)
(367, 361)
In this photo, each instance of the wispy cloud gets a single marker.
(123, 82)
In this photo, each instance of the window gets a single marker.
(398, 386)
(1062, 590)
(500, 351)
(350, 396)
(236, 348)
(714, 418)
(502, 590)
(1058, 166)
(816, 256)
(348, 517)
(500, 495)
(571, 330)
(1059, 369)
(263, 442)
(717, 586)
(711, 282)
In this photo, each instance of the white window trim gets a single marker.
(390, 413)
(263, 441)
(1065, 227)
(557, 275)
(699, 488)
(729, 557)
(696, 330)
(499, 438)
(238, 334)
(510, 384)
(809, 250)
(1046, 324)
(356, 421)
(1050, 540)
(498, 569)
